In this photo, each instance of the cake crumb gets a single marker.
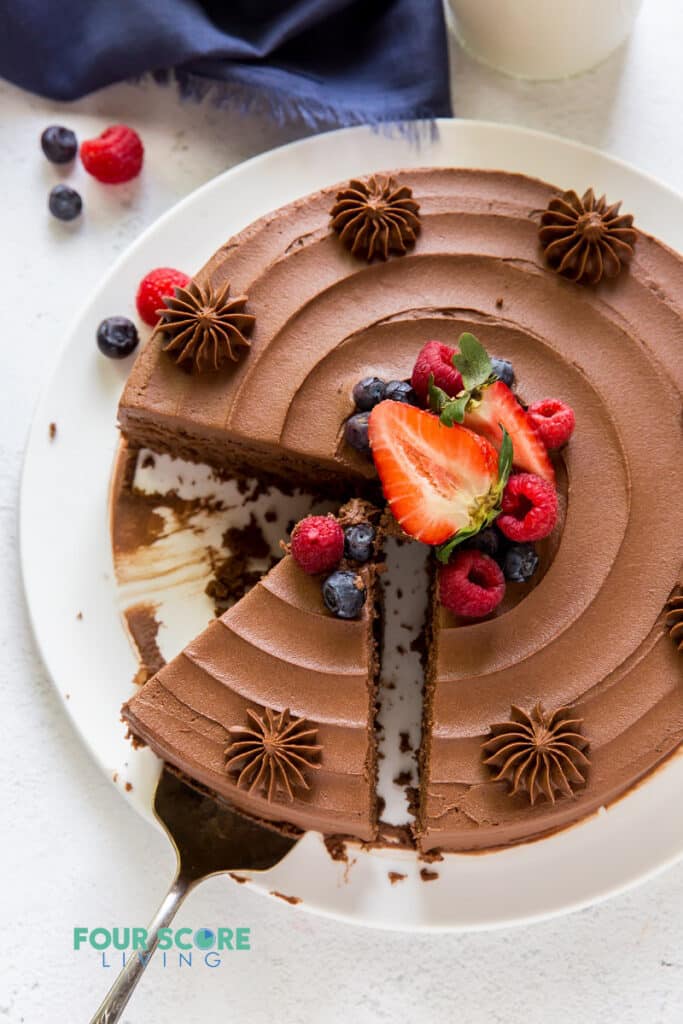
(67, 696)
(79, 616)
(431, 857)
(428, 876)
(115, 777)
(270, 515)
(499, 303)
(403, 778)
(396, 876)
(240, 879)
(336, 847)
(405, 746)
(128, 787)
(149, 462)
(52, 431)
(288, 899)
(141, 676)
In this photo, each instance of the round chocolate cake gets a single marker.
(562, 688)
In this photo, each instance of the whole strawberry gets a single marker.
(472, 584)
(529, 508)
(435, 359)
(553, 421)
(152, 289)
(114, 156)
(317, 544)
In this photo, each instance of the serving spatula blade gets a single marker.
(209, 839)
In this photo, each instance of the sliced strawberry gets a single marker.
(499, 406)
(437, 480)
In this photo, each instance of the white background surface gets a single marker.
(72, 852)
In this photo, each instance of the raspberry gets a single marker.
(472, 584)
(435, 357)
(529, 508)
(153, 287)
(114, 156)
(553, 421)
(317, 544)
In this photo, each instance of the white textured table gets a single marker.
(71, 851)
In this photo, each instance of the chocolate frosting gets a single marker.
(376, 216)
(590, 632)
(273, 753)
(674, 619)
(540, 754)
(203, 327)
(586, 238)
(220, 711)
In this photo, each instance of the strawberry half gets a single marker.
(499, 406)
(439, 481)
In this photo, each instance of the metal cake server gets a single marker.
(209, 839)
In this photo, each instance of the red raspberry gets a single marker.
(153, 287)
(472, 584)
(553, 420)
(114, 156)
(435, 357)
(529, 508)
(317, 544)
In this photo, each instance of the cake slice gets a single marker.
(272, 707)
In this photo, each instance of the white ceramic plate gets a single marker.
(67, 565)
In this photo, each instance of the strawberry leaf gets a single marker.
(454, 410)
(445, 550)
(505, 456)
(437, 397)
(473, 362)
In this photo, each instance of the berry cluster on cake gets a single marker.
(482, 364)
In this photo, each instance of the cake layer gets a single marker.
(277, 649)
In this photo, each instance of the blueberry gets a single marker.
(504, 370)
(358, 541)
(368, 392)
(65, 203)
(400, 391)
(117, 337)
(356, 431)
(488, 541)
(343, 596)
(59, 144)
(521, 562)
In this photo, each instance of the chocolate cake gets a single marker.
(569, 692)
(272, 707)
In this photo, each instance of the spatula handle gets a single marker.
(115, 1001)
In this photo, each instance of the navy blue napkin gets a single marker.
(334, 61)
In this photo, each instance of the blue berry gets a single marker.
(59, 144)
(504, 369)
(358, 541)
(400, 391)
(488, 541)
(356, 431)
(520, 563)
(368, 392)
(117, 337)
(65, 203)
(342, 594)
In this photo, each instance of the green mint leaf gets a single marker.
(473, 362)
(454, 410)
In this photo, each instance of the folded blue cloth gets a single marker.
(334, 61)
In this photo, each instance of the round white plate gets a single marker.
(67, 566)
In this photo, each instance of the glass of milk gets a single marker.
(542, 38)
